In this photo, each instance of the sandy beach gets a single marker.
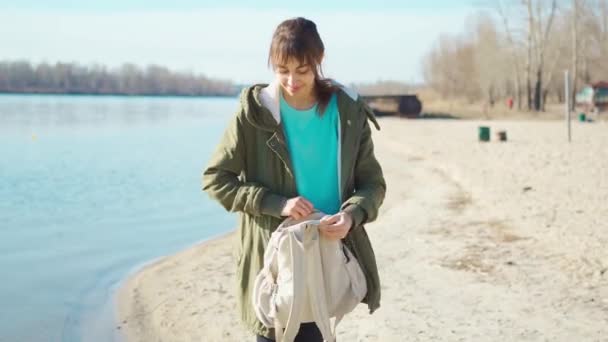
(496, 241)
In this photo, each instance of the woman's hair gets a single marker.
(298, 38)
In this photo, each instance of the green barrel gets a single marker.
(582, 117)
(484, 133)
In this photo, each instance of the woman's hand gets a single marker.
(335, 227)
(297, 208)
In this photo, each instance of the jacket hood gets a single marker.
(257, 112)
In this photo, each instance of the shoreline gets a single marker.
(475, 241)
(121, 297)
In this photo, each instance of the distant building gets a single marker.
(593, 96)
(407, 106)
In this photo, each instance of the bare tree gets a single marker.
(538, 39)
(576, 9)
(541, 35)
(514, 48)
(530, 40)
(485, 58)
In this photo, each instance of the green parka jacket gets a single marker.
(250, 172)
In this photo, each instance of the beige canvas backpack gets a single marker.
(306, 278)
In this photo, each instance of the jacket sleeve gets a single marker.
(370, 186)
(222, 177)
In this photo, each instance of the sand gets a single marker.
(475, 242)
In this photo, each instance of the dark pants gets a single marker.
(308, 333)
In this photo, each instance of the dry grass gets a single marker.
(459, 201)
(471, 261)
(461, 108)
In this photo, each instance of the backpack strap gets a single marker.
(317, 291)
(337, 321)
(298, 266)
(304, 235)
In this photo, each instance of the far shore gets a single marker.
(120, 94)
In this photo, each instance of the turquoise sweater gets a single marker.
(312, 141)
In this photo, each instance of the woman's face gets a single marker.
(296, 78)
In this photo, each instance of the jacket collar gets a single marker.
(262, 108)
(270, 97)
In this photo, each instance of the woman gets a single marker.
(299, 144)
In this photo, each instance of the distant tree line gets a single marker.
(520, 49)
(129, 79)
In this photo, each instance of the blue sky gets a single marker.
(365, 41)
